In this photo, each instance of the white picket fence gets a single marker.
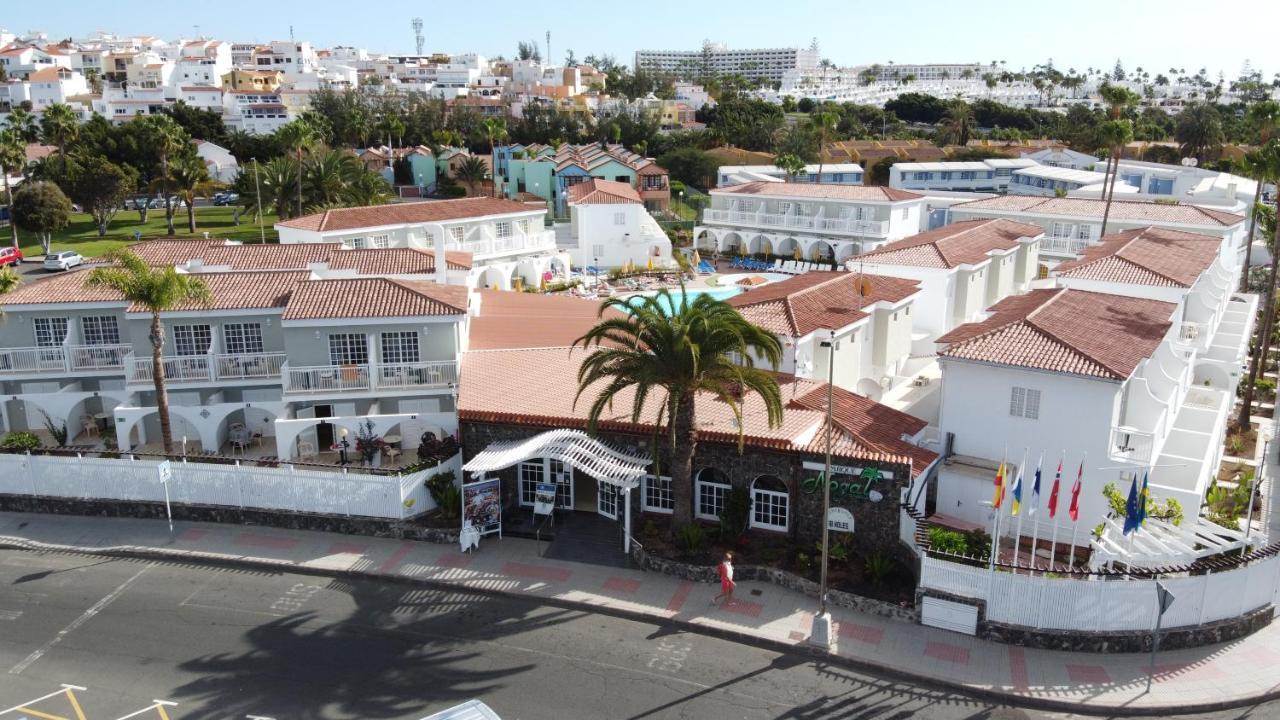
(240, 486)
(1107, 604)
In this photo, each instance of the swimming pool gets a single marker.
(719, 293)
(727, 280)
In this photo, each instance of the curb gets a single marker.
(241, 562)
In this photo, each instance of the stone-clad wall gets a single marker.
(876, 523)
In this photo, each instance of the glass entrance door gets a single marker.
(607, 500)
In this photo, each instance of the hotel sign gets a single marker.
(856, 487)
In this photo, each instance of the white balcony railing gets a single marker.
(209, 368)
(417, 375)
(1067, 245)
(327, 378)
(179, 369)
(249, 366)
(517, 243)
(70, 358)
(1131, 445)
(852, 226)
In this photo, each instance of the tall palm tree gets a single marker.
(472, 171)
(190, 177)
(59, 126)
(495, 129)
(276, 178)
(327, 175)
(676, 350)
(298, 136)
(1119, 99)
(1268, 168)
(367, 189)
(157, 290)
(1265, 119)
(825, 123)
(168, 138)
(958, 122)
(13, 158)
(24, 123)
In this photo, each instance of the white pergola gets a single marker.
(1160, 544)
(576, 449)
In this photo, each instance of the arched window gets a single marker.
(709, 491)
(770, 503)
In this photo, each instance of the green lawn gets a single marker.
(81, 235)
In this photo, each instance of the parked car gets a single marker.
(10, 256)
(226, 198)
(64, 260)
(469, 710)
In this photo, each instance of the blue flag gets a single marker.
(1131, 510)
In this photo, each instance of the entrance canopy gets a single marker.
(572, 447)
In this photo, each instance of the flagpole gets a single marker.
(1035, 505)
(1017, 537)
(995, 527)
(1053, 510)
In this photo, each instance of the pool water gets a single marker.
(719, 293)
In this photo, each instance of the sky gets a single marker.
(1153, 34)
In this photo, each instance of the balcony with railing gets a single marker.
(1131, 445)
(209, 368)
(328, 379)
(63, 358)
(852, 226)
(486, 245)
(1063, 245)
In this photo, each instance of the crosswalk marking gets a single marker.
(10, 614)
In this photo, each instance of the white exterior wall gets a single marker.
(1075, 415)
(613, 235)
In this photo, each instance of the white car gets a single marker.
(64, 260)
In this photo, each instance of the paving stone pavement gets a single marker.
(1205, 678)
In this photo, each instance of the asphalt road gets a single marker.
(233, 644)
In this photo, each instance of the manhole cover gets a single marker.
(757, 592)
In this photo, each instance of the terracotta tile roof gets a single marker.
(405, 214)
(1093, 208)
(603, 192)
(495, 387)
(1145, 256)
(961, 243)
(822, 191)
(374, 297)
(295, 256)
(799, 305)
(510, 320)
(65, 288)
(243, 291)
(1067, 331)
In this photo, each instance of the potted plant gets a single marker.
(369, 446)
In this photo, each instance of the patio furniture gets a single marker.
(392, 454)
(89, 426)
(469, 538)
(306, 450)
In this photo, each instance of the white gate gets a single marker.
(948, 615)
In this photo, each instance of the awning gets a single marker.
(572, 447)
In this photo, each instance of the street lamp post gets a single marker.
(595, 264)
(342, 447)
(821, 634)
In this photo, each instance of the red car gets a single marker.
(10, 256)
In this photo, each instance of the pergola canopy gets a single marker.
(572, 447)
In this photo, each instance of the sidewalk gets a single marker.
(1187, 681)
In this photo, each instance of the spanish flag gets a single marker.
(999, 483)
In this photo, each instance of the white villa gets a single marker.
(1048, 181)
(827, 173)
(508, 240)
(813, 221)
(990, 176)
(869, 317)
(1073, 224)
(609, 227)
(962, 268)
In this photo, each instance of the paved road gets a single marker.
(233, 644)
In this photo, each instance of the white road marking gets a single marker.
(10, 614)
(88, 614)
(155, 704)
(297, 596)
(55, 693)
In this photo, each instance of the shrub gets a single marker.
(978, 543)
(445, 492)
(691, 538)
(948, 541)
(733, 518)
(59, 432)
(454, 191)
(876, 567)
(20, 441)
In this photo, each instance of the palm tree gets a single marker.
(59, 126)
(297, 136)
(190, 177)
(495, 129)
(1265, 118)
(9, 279)
(169, 139)
(327, 175)
(472, 171)
(958, 122)
(13, 158)
(1114, 134)
(791, 165)
(1199, 130)
(1268, 167)
(367, 189)
(24, 123)
(825, 123)
(275, 178)
(677, 349)
(157, 290)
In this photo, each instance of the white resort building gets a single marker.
(815, 222)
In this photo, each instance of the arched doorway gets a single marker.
(821, 251)
(760, 245)
(495, 278)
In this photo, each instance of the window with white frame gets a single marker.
(191, 339)
(656, 494)
(101, 330)
(457, 233)
(1061, 230)
(379, 241)
(355, 243)
(242, 338)
(597, 250)
(400, 347)
(524, 226)
(502, 229)
(710, 490)
(348, 349)
(619, 218)
(904, 213)
(50, 332)
(1024, 403)
(1084, 232)
(770, 503)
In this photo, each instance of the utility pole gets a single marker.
(821, 635)
(417, 34)
(262, 230)
(548, 47)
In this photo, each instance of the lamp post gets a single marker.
(262, 231)
(343, 444)
(821, 634)
(595, 264)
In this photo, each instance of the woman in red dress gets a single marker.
(726, 580)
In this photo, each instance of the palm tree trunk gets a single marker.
(1248, 241)
(1263, 343)
(157, 377)
(1115, 170)
(13, 226)
(299, 181)
(191, 214)
(682, 464)
(164, 187)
